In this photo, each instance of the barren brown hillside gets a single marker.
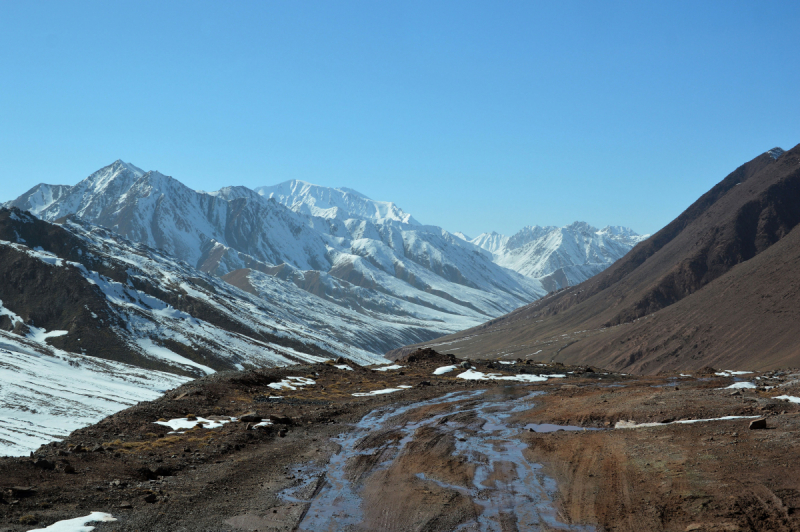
(718, 285)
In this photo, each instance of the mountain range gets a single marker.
(364, 256)
(130, 283)
(717, 286)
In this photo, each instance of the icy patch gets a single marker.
(634, 425)
(381, 392)
(473, 375)
(444, 369)
(157, 351)
(46, 256)
(739, 385)
(387, 368)
(508, 362)
(344, 367)
(78, 524)
(789, 398)
(727, 373)
(40, 335)
(264, 423)
(185, 423)
(291, 383)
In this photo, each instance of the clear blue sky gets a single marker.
(474, 116)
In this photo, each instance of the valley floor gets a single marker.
(438, 452)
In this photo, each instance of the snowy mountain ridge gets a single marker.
(412, 281)
(334, 203)
(566, 255)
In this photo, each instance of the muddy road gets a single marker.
(449, 463)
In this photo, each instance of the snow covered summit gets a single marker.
(340, 203)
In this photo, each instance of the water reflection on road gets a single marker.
(509, 491)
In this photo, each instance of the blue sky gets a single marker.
(473, 116)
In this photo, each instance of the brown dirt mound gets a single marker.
(427, 354)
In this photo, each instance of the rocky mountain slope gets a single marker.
(127, 302)
(411, 281)
(91, 323)
(718, 286)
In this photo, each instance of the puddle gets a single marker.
(483, 440)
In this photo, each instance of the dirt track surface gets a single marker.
(445, 454)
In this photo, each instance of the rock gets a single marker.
(466, 364)
(735, 392)
(29, 519)
(489, 365)
(250, 417)
(68, 469)
(191, 417)
(98, 449)
(282, 433)
(758, 424)
(150, 498)
(41, 463)
(424, 383)
(22, 491)
(125, 505)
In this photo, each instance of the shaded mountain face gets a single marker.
(368, 261)
(718, 285)
(84, 289)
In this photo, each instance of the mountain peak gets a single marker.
(333, 203)
(775, 152)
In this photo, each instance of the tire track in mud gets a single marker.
(450, 463)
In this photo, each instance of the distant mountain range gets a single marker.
(367, 258)
(717, 286)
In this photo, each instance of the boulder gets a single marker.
(250, 417)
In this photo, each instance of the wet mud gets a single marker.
(459, 450)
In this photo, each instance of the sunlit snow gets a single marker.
(78, 524)
(381, 392)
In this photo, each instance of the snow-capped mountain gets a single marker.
(338, 203)
(366, 260)
(85, 289)
(560, 256)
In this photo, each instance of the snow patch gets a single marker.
(291, 383)
(185, 423)
(634, 425)
(78, 524)
(739, 385)
(473, 375)
(387, 368)
(381, 392)
(790, 398)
